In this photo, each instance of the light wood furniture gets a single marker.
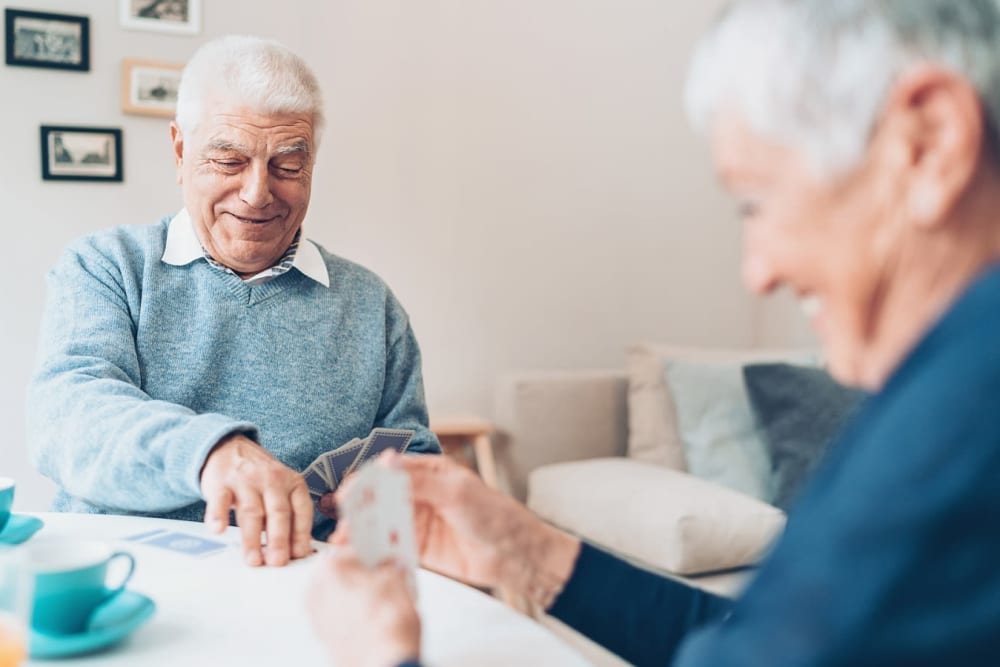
(457, 433)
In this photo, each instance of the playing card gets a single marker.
(324, 461)
(341, 460)
(330, 468)
(378, 510)
(317, 483)
(380, 440)
(184, 543)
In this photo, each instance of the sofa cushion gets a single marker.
(798, 411)
(717, 427)
(653, 436)
(663, 518)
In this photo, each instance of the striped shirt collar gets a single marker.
(183, 247)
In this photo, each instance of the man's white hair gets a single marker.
(815, 74)
(258, 74)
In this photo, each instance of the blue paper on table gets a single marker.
(179, 542)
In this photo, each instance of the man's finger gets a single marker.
(278, 524)
(328, 505)
(250, 519)
(217, 508)
(302, 521)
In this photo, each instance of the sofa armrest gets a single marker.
(545, 417)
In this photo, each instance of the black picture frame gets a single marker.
(81, 153)
(51, 41)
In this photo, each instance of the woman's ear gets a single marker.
(934, 121)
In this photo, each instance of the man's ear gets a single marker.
(177, 139)
(936, 128)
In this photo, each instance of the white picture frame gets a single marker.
(170, 16)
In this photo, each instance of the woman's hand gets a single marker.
(365, 617)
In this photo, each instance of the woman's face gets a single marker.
(830, 241)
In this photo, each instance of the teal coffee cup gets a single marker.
(71, 581)
(6, 500)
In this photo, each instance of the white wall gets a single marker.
(520, 171)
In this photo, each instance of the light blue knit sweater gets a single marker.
(144, 366)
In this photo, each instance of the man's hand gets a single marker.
(365, 617)
(470, 532)
(266, 495)
(328, 506)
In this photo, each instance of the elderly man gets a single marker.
(192, 367)
(860, 141)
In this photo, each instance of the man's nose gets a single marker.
(256, 189)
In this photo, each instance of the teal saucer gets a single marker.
(19, 528)
(112, 622)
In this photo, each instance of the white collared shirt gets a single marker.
(183, 247)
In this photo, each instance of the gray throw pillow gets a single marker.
(717, 427)
(799, 411)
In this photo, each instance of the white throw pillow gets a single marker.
(665, 519)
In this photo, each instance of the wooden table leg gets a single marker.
(485, 461)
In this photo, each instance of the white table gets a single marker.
(215, 610)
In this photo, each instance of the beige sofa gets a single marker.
(599, 454)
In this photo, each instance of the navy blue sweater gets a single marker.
(890, 556)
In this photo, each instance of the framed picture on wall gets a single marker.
(39, 39)
(149, 87)
(177, 16)
(81, 153)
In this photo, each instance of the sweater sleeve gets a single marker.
(403, 404)
(91, 428)
(637, 614)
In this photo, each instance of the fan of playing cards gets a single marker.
(330, 468)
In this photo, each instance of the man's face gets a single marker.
(829, 241)
(246, 179)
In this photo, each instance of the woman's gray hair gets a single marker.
(815, 74)
(258, 74)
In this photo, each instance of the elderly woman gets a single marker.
(860, 141)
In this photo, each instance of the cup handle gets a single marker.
(128, 575)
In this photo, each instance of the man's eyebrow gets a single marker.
(226, 145)
(297, 147)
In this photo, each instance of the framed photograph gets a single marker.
(177, 16)
(81, 153)
(149, 87)
(38, 39)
